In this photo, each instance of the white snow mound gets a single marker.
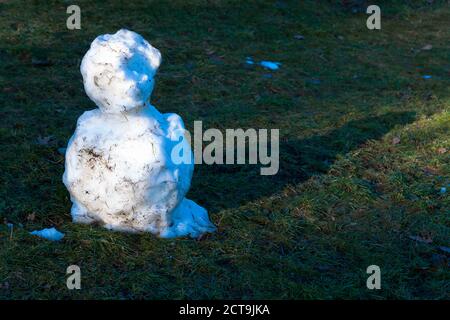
(118, 168)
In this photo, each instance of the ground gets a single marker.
(364, 143)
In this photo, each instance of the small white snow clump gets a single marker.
(270, 65)
(118, 168)
(49, 234)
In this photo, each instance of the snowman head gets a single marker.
(118, 71)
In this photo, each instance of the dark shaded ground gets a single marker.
(299, 161)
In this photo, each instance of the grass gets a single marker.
(364, 150)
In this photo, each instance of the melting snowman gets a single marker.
(119, 167)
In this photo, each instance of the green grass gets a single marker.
(346, 196)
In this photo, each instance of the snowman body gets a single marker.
(120, 170)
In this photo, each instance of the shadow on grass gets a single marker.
(227, 186)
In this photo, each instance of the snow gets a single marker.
(270, 65)
(118, 71)
(119, 170)
(249, 60)
(49, 234)
(191, 220)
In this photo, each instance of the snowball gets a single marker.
(49, 234)
(118, 168)
(118, 71)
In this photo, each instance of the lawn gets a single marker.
(364, 150)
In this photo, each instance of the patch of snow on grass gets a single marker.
(49, 233)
